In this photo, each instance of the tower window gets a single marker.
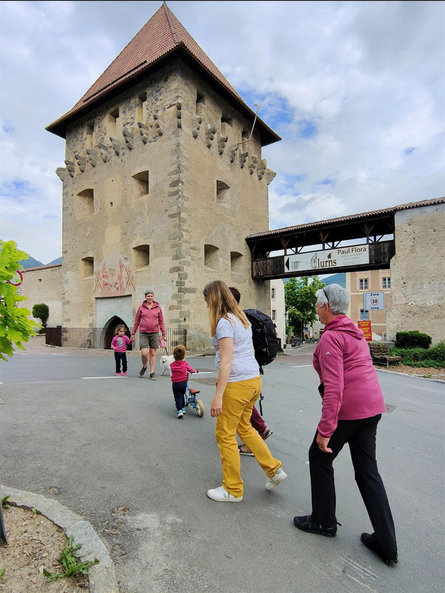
(236, 261)
(200, 102)
(222, 191)
(90, 135)
(141, 255)
(87, 267)
(141, 108)
(141, 184)
(85, 202)
(211, 256)
(113, 119)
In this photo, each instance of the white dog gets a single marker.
(165, 362)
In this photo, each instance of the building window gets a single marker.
(236, 261)
(141, 256)
(140, 184)
(386, 282)
(85, 202)
(363, 284)
(222, 191)
(245, 135)
(274, 314)
(272, 293)
(87, 267)
(211, 256)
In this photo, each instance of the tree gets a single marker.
(15, 327)
(300, 299)
(41, 311)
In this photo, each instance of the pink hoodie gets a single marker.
(343, 363)
(149, 321)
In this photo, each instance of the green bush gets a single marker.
(412, 339)
(41, 311)
(422, 357)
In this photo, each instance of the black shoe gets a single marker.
(152, 376)
(142, 371)
(305, 523)
(369, 541)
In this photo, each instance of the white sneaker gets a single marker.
(221, 495)
(279, 477)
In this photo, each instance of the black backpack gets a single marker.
(264, 337)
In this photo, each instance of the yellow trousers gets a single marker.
(238, 401)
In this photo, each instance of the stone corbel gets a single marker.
(116, 144)
(143, 130)
(92, 155)
(104, 152)
(62, 173)
(198, 122)
(270, 175)
(253, 161)
(81, 161)
(232, 152)
(210, 135)
(222, 141)
(70, 167)
(128, 137)
(242, 159)
(157, 124)
(261, 168)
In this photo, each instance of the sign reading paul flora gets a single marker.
(328, 259)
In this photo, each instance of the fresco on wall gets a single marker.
(113, 278)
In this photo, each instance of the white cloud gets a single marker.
(356, 90)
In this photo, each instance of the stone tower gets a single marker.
(163, 181)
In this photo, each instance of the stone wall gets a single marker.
(418, 273)
(43, 285)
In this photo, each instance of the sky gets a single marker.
(356, 91)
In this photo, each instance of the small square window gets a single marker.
(363, 284)
(386, 282)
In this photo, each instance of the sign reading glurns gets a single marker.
(328, 259)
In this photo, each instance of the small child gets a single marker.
(119, 345)
(179, 374)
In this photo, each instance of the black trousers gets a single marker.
(361, 438)
(118, 357)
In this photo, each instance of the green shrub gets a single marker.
(41, 311)
(422, 357)
(412, 339)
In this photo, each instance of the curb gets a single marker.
(102, 578)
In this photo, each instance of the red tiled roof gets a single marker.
(160, 36)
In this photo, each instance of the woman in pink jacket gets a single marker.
(150, 321)
(352, 405)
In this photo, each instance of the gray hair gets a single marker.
(336, 296)
(149, 292)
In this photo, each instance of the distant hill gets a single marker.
(31, 263)
(35, 263)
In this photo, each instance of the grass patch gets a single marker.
(72, 566)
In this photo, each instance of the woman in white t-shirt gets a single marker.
(237, 389)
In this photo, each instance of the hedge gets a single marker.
(412, 339)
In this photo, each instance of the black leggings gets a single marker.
(118, 357)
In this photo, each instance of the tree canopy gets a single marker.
(300, 299)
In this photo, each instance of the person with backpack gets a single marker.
(256, 420)
(237, 388)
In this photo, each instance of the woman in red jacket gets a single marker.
(150, 321)
(351, 409)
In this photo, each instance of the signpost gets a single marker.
(373, 301)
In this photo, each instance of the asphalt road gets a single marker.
(111, 449)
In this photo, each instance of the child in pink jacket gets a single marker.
(119, 344)
(180, 369)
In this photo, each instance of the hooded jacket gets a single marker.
(149, 321)
(351, 390)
